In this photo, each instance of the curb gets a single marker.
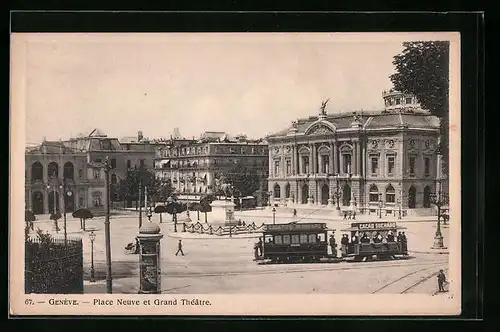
(212, 237)
(430, 252)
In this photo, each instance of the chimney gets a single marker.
(139, 136)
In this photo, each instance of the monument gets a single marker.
(223, 209)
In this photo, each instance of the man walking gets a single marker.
(179, 246)
(294, 213)
(441, 281)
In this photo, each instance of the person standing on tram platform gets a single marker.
(333, 245)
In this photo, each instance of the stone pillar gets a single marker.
(45, 200)
(311, 161)
(363, 158)
(149, 259)
(358, 158)
(292, 160)
(301, 166)
(335, 158)
(354, 160)
(332, 160)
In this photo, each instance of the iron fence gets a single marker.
(51, 267)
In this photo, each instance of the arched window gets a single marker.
(53, 170)
(277, 191)
(37, 171)
(390, 194)
(373, 193)
(69, 171)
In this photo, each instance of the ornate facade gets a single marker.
(54, 173)
(365, 159)
(195, 166)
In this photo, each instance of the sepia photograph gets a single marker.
(232, 173)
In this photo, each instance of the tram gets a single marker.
(293, 242)
(381, 240)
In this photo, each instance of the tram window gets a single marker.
(312, 238)
(321, 237)
(286, 239)
(303, 238)
(295, 238)
(278, 239)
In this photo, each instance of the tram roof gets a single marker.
(292, 226)
(378, 225)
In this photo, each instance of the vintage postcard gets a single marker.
(235, 174)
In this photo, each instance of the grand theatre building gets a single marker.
(374, 161)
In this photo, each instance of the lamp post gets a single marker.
(274, 215)
(399, 207)
(150, 214)
(439, 200)
(54, 201)
(337, 193)
(380, 205)
(92, 273)
(107, 232)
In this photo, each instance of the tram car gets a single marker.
(293, 242)
(382, 240)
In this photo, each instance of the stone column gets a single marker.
(271, 164)
(311, 162)
(292, 160)
(301, 166)
(332, 160)
(149, 259)
(358, 158)
(354, 164)
(335, 158)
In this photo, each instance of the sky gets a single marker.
(254, 84)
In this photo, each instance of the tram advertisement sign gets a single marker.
(374, 225)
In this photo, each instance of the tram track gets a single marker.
(301, 270)
(402, 282)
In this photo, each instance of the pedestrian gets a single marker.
(345, 215)
(294, 213)
(179, 246)
(354, 214)
(333, 245)
(259, 246)
(399, 237)
(441, 281)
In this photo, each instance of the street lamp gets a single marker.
(55, 202)
(107, 231)
(380, 205)
(150, 214)
(337, 193)
(439, 200)
(399, 206)
(274, 215)
(92, 273)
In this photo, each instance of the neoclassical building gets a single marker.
(195, 165)
(54, 172)
(371, 160)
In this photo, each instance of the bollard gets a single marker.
(149, 259)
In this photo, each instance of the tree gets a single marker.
(83, 214)
(128, 188)
(205, 202)
(56, 216)
(173, 207)
(422, 69)
(245, 180)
